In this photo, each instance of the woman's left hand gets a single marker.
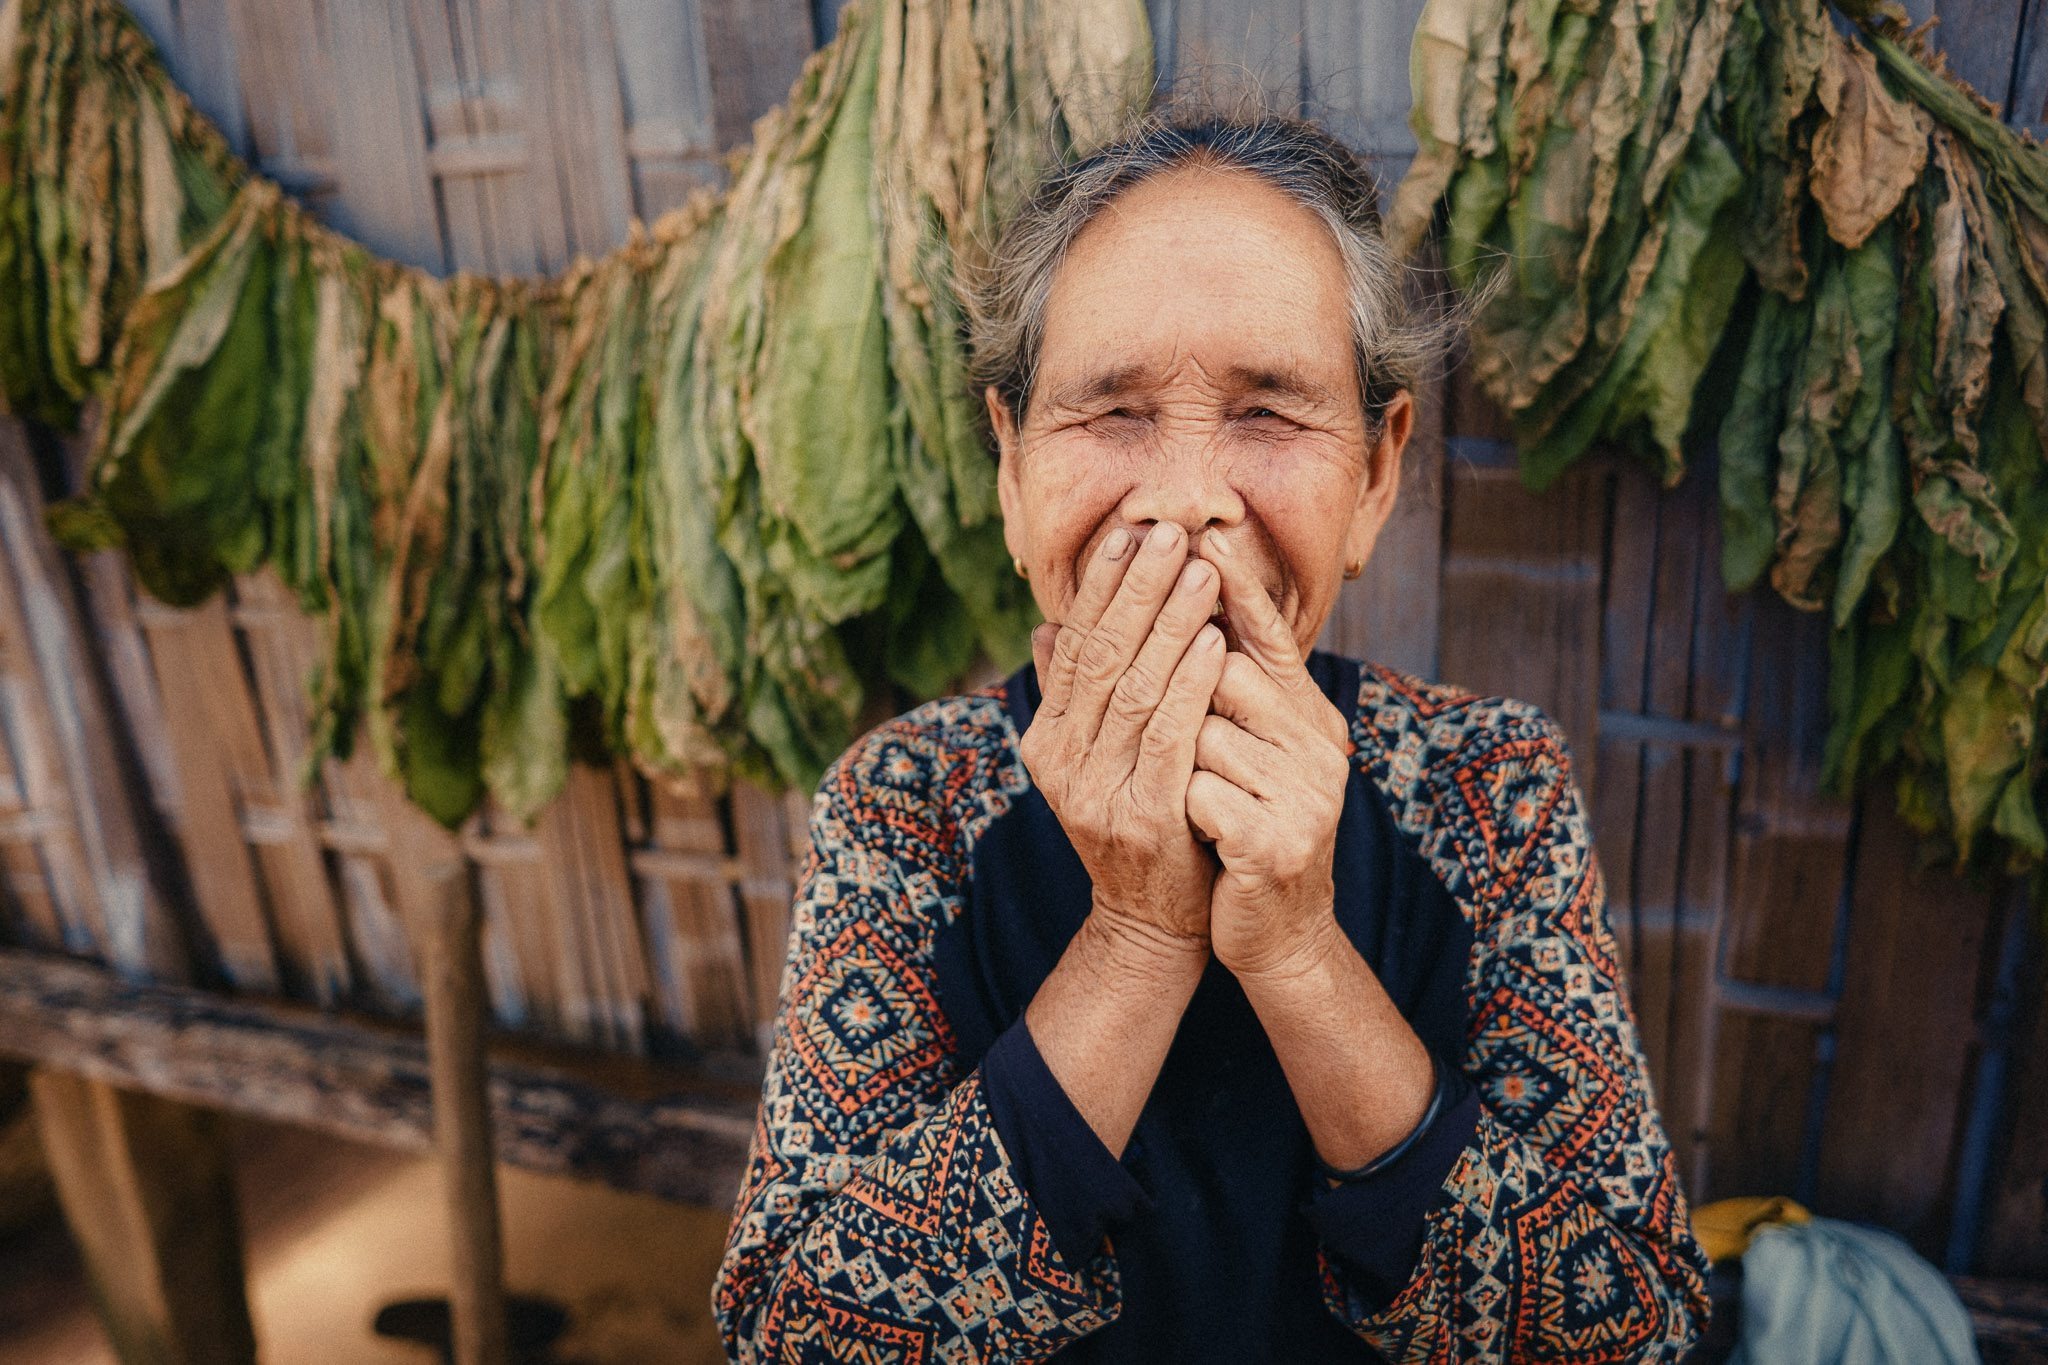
(1271, 765)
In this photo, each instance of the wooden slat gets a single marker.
(576, 111)
(532, 953)
(359, 800)
(96, 859)
(753, 50)
(1713, 703)
(49, 882)
(1790, 839)
(1787, 878)
(283, 647)
(1521, 595)
(764, 831)
(1977, 37)
(1663, 804)
(693, 926)
(1392, 613)
(1624, 646)
(260, 768)
(288, 92)
(200, 44)
(1906, 1028)
(680, 1134)
(1163, 17)
(545, 979)
(1226, 47)
(1762, 1085)
(110, 599)
(28, 912)
(213, 738)
(2014, 1240)
(665, 83)
(467, 91)
(1663, 799)
(2029, 103)
(1355, 72)
(584, 851)
(385, 198)
(516, 967)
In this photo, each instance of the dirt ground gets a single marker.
(334, 1231)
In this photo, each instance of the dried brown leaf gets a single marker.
(1870, 148)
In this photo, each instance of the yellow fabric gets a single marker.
(1725, 1226)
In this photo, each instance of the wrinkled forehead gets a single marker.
(1217, 276)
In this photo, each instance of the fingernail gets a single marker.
(1118, 542)
(1222, 545)
(1165, 538)
(1198, 574)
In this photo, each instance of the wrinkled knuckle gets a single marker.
(1159, 739)
(1138, 687)
(1100, 656)
(1127, 710)
(1066, 651)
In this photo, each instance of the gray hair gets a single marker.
(1005, 292)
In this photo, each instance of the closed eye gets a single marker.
(1120, 417)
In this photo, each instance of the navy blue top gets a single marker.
(1216, 1208)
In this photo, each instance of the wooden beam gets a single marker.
(453, 975)
(149, 1195)
(668, 1131)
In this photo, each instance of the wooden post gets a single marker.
(148, 1193)
(453, 979)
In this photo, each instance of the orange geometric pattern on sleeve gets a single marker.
(1561, 1232)
(878, 1217)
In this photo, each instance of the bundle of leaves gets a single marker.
(691, 502)
(1752, 227)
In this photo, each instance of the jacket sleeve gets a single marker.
(1558, 1230)
(880, 1215)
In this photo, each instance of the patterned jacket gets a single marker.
(881, 1216)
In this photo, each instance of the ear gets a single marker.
(1009, 492)
(1382, 481)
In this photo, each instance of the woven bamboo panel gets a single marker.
(626, 912)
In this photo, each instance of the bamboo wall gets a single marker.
(1822, 1018)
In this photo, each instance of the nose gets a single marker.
(1188, 485)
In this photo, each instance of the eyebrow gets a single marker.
(1282, 379)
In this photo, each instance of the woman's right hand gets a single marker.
(1125, 682)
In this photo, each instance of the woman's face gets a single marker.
(1196, 367)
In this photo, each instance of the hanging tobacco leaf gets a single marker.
(701, 497)
(1820, 224)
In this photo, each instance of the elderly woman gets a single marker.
(1195, 994)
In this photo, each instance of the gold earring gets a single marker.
(1354, 568)
(1018, 565)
